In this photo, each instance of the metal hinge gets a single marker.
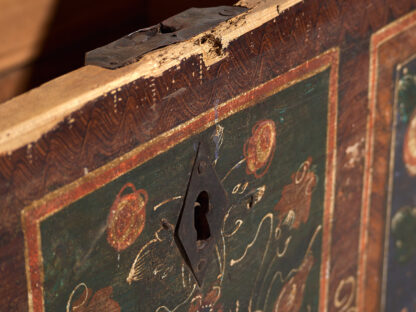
(177, 28)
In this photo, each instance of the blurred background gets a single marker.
(43, 39)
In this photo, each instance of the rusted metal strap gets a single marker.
(177, 28)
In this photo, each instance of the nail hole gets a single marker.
(164, 29)
(202, 167)
(165, 224)
(201, 265)
(203, 231)
(250, 202)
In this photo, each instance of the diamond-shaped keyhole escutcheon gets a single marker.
(199, 224)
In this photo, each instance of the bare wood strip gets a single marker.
(27, 117)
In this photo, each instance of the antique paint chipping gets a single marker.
(96, 264)
(390, 47)
(401, 226)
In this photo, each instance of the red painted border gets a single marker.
(33, 215)
(377, 40)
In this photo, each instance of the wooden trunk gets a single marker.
(265, 164)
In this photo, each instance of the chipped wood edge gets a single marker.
(26, 118)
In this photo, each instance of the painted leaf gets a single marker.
(206, 304)
(101, 301)
(295, 204)
(291, 295)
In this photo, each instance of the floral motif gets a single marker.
(291, 295)
(409, 146)
(209, 303)
(126, 219)
(259, 148)
(101, 301)
(295, 203)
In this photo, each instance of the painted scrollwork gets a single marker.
(345, 294)
(88, 301)
(294, 206)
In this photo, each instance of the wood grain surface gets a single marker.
(43, 39)
(91, 132)
(303, 176)
(390, 48)
(39, 110)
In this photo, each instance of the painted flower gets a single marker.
(409, 146)
(126, 219)
(259, 148)
(295, 204)
(101, 301)
(209, 303)
(291, 296)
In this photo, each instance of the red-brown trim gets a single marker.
(331, 156)
(379, 123)
(53, 202)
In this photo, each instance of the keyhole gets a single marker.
(200, 219)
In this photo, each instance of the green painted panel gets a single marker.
(401, 253)
(272, 159)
